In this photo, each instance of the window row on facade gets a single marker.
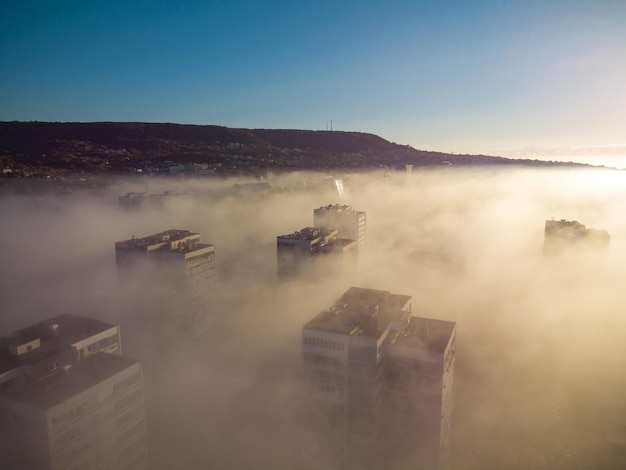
(324, 343)
(324, 375)
(320, 360)
(403, 365)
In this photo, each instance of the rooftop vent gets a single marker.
(371, 310)
(54, 328)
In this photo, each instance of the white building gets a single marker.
(378, 385)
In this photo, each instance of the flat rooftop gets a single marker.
(309, 233)
(339, 208)
(426, 333)
(64, 384)
(362, 312)
(55, 334)
(187, 247)
(156, 239)
(170, 241)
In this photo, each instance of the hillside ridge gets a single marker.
(123, 147)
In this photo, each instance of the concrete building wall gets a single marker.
(101, 426)
(168, 279)
(314, 252)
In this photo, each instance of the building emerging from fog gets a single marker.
(135, 200)
(563, 237)
(378, 385)
(169, 275)
(349, 223)
(69, 399)
(312, 251)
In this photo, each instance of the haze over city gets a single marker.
(540, 341)
(535, 339)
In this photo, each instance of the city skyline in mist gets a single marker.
(534, 339)
(481, 77)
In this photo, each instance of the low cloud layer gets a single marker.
(541, 345)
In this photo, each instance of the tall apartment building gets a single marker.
(312, 251)
(563, 237)
(348, 222)
(169, 274)
(378, 385)
(66, 403)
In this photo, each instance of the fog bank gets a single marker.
(541, 345)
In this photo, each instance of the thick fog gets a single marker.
(541, 344)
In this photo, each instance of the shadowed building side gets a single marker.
(420, 378)
(168, 276)
(313, 252)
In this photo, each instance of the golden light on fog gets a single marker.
(541, 346)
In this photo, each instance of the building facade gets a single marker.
(90, 415)
(309, 252)
(378, 385)
(169, 275)
(68, 399)
(348, 222)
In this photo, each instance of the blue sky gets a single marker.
(457, 76)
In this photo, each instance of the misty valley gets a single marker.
(540, 341)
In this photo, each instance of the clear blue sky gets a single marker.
(438, 75)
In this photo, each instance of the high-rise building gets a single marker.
(312, 251)
(169, 275)
(563, 237)
(378, 385)
(348, 222)
(65, 403)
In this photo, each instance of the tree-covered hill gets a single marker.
(122, 147)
